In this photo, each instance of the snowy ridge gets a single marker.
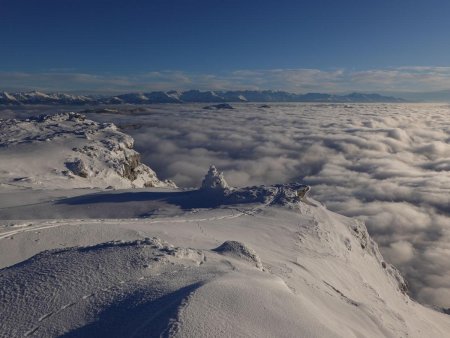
(172, 96)
(265, 261)
(35, 97)
(67, 150)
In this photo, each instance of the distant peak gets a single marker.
(191, 96)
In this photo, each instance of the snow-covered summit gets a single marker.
(68, 150)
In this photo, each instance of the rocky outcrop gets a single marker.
(88, 153)
(77, 167)
(219, 106)
(132, 162)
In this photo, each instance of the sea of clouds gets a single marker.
(388, 164)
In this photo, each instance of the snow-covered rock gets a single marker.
(240, 251)
(67, 150)
(78, 167)
(214, 180)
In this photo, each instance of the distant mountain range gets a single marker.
(190, 96)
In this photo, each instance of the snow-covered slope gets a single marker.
(264, 261)
(67, 150)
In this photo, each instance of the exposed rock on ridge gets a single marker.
(69, 150)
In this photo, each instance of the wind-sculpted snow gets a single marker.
(388, 164)
(63, 288)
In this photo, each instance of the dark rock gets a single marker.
(129, 166)
(219, 106)
(77, 167)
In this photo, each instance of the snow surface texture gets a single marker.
(264, 261)
(68, 150)
(387, 164)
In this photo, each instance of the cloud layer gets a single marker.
(386, 164)
(298, 80)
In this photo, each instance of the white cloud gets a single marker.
(300, 80)
(386, 164)
(404, 79)
(399, 252)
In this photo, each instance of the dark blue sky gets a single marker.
(218, 37)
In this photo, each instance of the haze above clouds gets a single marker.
(386, 164)
(409, 82)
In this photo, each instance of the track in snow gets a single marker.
(58, 223)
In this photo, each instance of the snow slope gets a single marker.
(273, 264)
(264, 261)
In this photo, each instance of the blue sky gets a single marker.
(396, 45)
